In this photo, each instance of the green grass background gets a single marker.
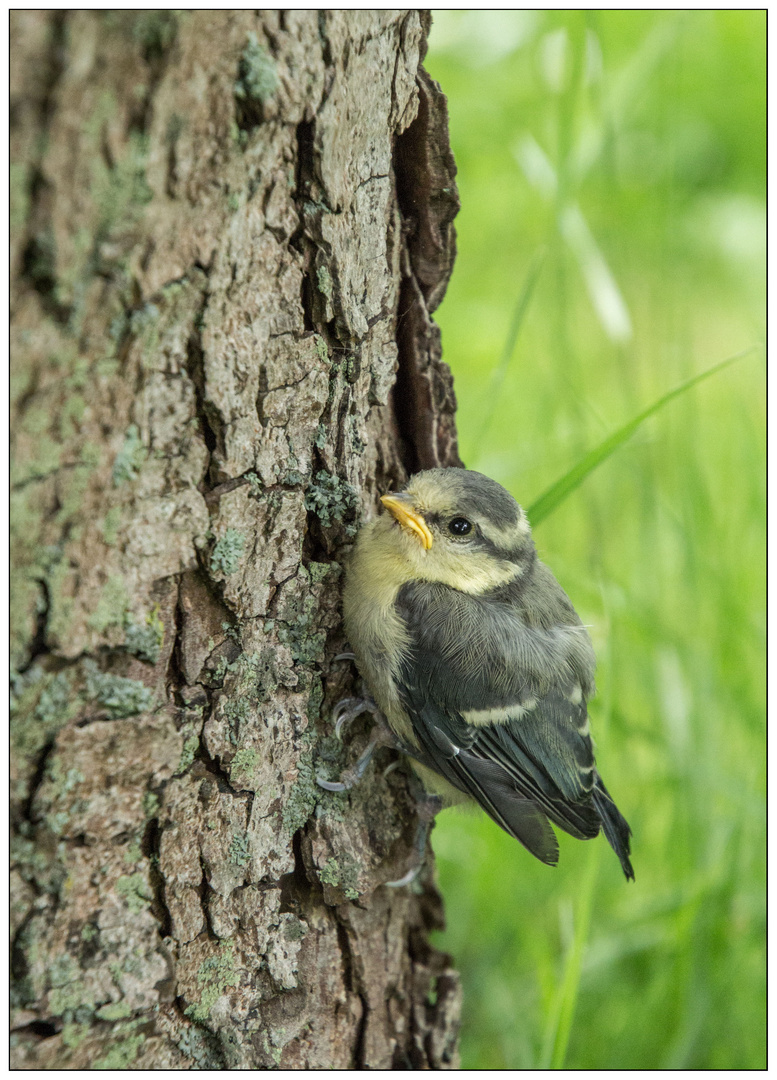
(617, 159)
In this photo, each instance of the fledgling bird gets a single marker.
(478, 661)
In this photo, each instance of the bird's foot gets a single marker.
(427, 808)
(345, 712)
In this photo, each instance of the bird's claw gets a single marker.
(353, 775)
(348, 709)
(331, 785)
(408, 878)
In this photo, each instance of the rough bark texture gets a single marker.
(229, 231)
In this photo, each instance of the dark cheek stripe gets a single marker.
(523, 553)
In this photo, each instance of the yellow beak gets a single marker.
(401, 507)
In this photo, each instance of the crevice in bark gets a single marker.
(326, 50)
(295, 887)
(38, 646)
(428, 200)
(18, 964)
(212, 765)
(174, 676)
(39, 261)
(150, 846)
(300, 241)
(36, 780)
(39, 256)
(156, 33)
(43, 1029)
(195, 369)
(352, 984)
(410, 400)
(204, 890)
(359, 1050)
(56, 62)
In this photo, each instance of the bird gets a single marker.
(477, 660)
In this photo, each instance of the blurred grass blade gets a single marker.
(562, 1011)
(556, 493)
(519, 314)
(606, 297)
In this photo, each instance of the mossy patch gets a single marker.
(188, 754)
(41, 704)
(332, 500)
(133, 854)
(130, 457)
(117, 1010)
(321, 348)
(342, 873)
(215, 976)
(144, 640)
(227, 553)
(68, 996)
(122, 1054)
(304, 795)
(112, 606)
(120, 697)
(324, 281)
(135, 891)
(257, 73)
(239, 850)
(199, 1046)
(255, 677)
(297, 622)
(111, 523)
(155, 32)
(74, 1034)
(243, 764)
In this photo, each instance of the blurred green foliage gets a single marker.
(612, 179)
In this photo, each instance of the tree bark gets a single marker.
(229, 231)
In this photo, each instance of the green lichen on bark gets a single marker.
(227, 553)
(332, 500)
(240, 850)
(144, 640)
(124, 1050)
(188, 754)
(41, 703)
(135, 891)
(257, 72)
(111, 607)
(304, 795)
(119, 696)
(216, 975)
(130, 458)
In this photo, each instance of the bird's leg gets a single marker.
(345, 712)
(427, 808)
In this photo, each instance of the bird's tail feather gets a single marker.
(615, 826)
(518, 816)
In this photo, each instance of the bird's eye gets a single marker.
(459, 526)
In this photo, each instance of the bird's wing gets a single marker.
(517, 744)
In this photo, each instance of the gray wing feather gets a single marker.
(538, 764)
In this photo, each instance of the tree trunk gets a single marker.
(229, 230)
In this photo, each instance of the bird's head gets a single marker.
(456, 527)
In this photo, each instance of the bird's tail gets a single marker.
(615, 826)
